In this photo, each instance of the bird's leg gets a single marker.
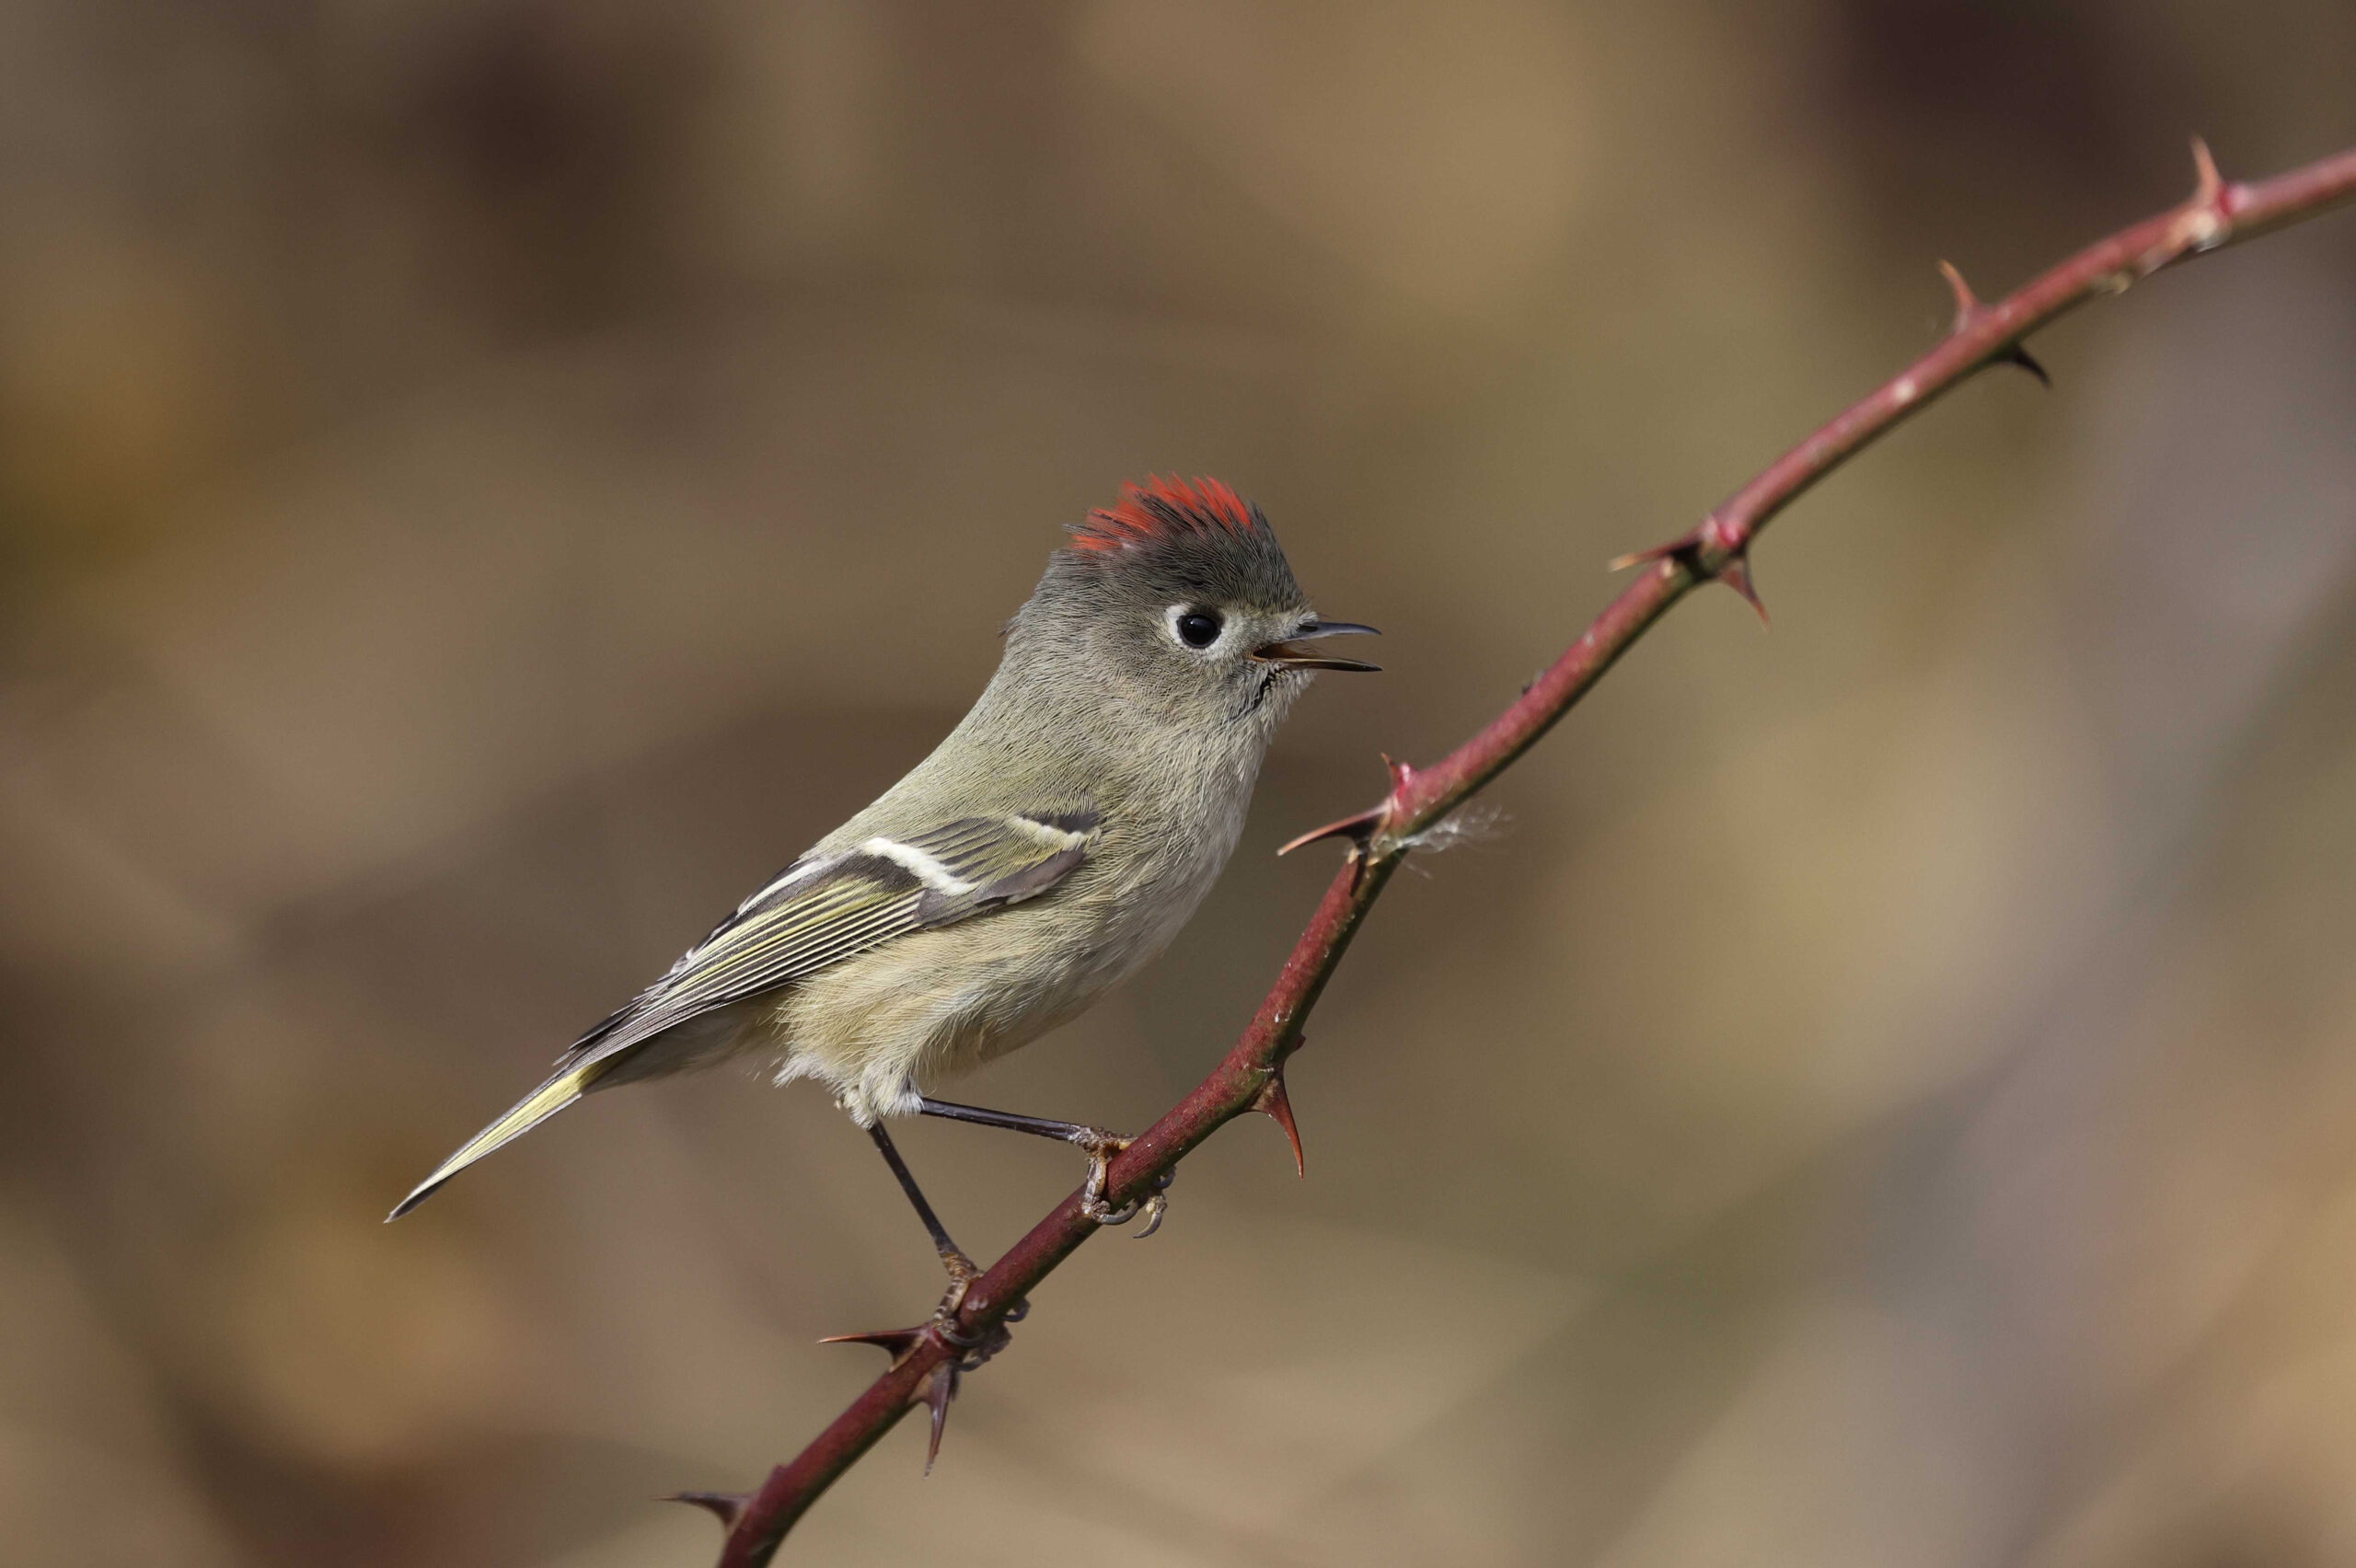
(961, 1269)
(972, 1349)
(1099, 1145)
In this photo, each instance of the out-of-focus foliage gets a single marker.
(484, 484)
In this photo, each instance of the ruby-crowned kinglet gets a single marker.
(1047, 848)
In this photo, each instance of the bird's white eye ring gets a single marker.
(1195, 625)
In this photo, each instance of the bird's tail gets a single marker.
(543, 1102)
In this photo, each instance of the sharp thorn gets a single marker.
(2208, 184)
(939, 1389)
(2015, 354)
(1966, 302)
(1735, 574)
(725, 1506)
(1359, 827)
(894, 1343)
(1681, 548)
(1646, 558)
(1272, 1100)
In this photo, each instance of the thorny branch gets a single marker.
(928, 1361)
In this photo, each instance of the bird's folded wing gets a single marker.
(823, 909)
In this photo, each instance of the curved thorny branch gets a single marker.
(927, 1361)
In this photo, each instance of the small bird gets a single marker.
(1049, 848)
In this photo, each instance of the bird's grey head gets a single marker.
(1178, 603)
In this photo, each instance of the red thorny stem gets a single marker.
(1251, 1077)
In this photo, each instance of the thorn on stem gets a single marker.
(939, 1389)
(1967, 304)
(725, 1506)
(1735, 574)
(1686, 548)
(1359, 827)
(1968, 309)
(2208, 184)
(894, 1343)
(1273, 1102)
(2204, 222)
(2013, 354)
(1683, 545)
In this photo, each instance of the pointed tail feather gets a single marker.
(530, 1112)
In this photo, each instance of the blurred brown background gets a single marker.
(482, 484)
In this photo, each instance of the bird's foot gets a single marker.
(1101, 1146)
(962, 1271)
(972, 1350)
(980, 1347)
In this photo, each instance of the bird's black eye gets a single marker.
(1198, 629)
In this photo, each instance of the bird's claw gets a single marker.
(976, 1348)
(1101, 1146)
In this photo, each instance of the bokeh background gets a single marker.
(484, 482)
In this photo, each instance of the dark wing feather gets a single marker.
(824, 909)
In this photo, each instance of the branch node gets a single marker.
(1713, 534)
(725, 1506)
(1273, 1102)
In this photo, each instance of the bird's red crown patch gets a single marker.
(1163, 509)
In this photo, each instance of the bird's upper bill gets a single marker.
(1290, 655)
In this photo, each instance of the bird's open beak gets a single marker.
(1291, 655)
